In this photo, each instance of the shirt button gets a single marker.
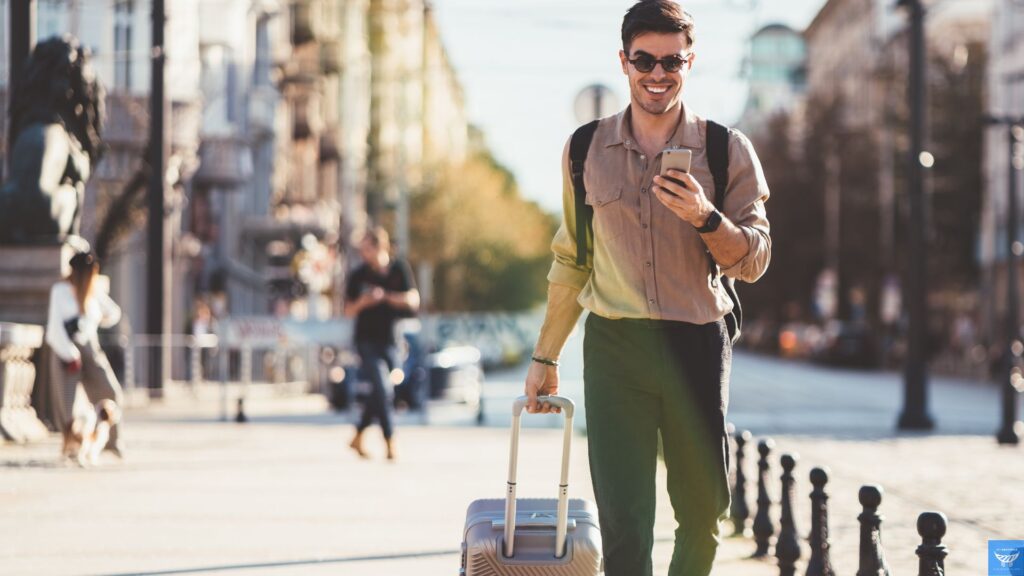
(643, 156)
(651, 300)
(648, 264)
(644, 226)
(643, 190)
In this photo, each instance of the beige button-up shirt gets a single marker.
(646, 262)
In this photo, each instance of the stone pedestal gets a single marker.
(26, 275)
(18, 344)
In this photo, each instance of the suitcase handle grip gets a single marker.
(567, 405)
(562, 516)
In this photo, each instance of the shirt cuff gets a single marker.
(566, 275)
(736, 270)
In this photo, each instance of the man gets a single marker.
(379, 292)
(657, 350)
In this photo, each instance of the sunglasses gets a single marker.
(644, 62)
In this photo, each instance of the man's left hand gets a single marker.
(688, 201)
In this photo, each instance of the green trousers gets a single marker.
(642, 377)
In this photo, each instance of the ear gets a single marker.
(624, 60)
(689, 65)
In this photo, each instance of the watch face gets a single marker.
(712, 222)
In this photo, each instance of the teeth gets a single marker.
(657, 89)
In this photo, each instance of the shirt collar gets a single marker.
(689, 133)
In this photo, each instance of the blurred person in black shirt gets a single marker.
(379, 292)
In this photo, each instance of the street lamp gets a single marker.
(915, 414)
(1013, 379)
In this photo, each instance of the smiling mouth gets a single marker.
(657, 90)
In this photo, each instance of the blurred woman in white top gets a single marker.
(76, 312)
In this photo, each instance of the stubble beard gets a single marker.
(653, 108)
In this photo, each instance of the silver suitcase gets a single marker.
(533, 537)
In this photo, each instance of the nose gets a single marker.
(659, 72)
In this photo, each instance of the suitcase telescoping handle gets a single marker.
(562, 517)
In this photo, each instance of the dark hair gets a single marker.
(83, 261)
(84, 268)
(379, 236)
(660, 16)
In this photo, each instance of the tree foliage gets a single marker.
(798, 174)
(489, 248)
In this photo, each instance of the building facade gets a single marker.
(776, 73)
(293, 124)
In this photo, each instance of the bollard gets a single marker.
(872, 557)
(763, 528)
(195, 360)
(739, 512)
(223, 352)
(787, 548)
(246, 375)
(240, 416)
(820, 562)
(932, 552)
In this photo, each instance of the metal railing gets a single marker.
(198, 360)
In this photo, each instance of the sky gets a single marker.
(522, 63)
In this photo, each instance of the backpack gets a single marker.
(718, 161)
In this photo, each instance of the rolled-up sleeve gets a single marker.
(744, 206)
(564, 269)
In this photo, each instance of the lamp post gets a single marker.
(155, 253)
(1012, 376)
(22, 40)
(915, 414)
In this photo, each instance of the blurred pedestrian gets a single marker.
(658, 343)
(76, 312)
(200, 325)
(379, 292)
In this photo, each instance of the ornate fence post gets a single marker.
(763, 528)
(787, 548)
(932, 552)
(740, 510)
(820, 562)
(872, 558)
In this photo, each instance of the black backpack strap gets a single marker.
(718, 162)
(578, 148)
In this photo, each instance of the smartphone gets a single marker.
(675, 159)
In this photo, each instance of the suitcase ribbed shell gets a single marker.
(535, 540)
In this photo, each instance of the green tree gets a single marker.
(489, 247)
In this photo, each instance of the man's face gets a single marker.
(369, 251)
(657, 91)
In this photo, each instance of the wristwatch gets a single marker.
(712, 223)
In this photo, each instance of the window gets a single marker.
(124, 12)
(261, 64)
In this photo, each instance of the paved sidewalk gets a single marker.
(280, 495)
(284, 495)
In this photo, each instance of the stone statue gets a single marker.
(56, 118)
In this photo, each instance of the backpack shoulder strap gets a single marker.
(718, 162)
(578, 148)
(718, 159)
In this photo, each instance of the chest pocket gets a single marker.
(611, 212)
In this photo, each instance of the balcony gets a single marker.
(225, 163)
